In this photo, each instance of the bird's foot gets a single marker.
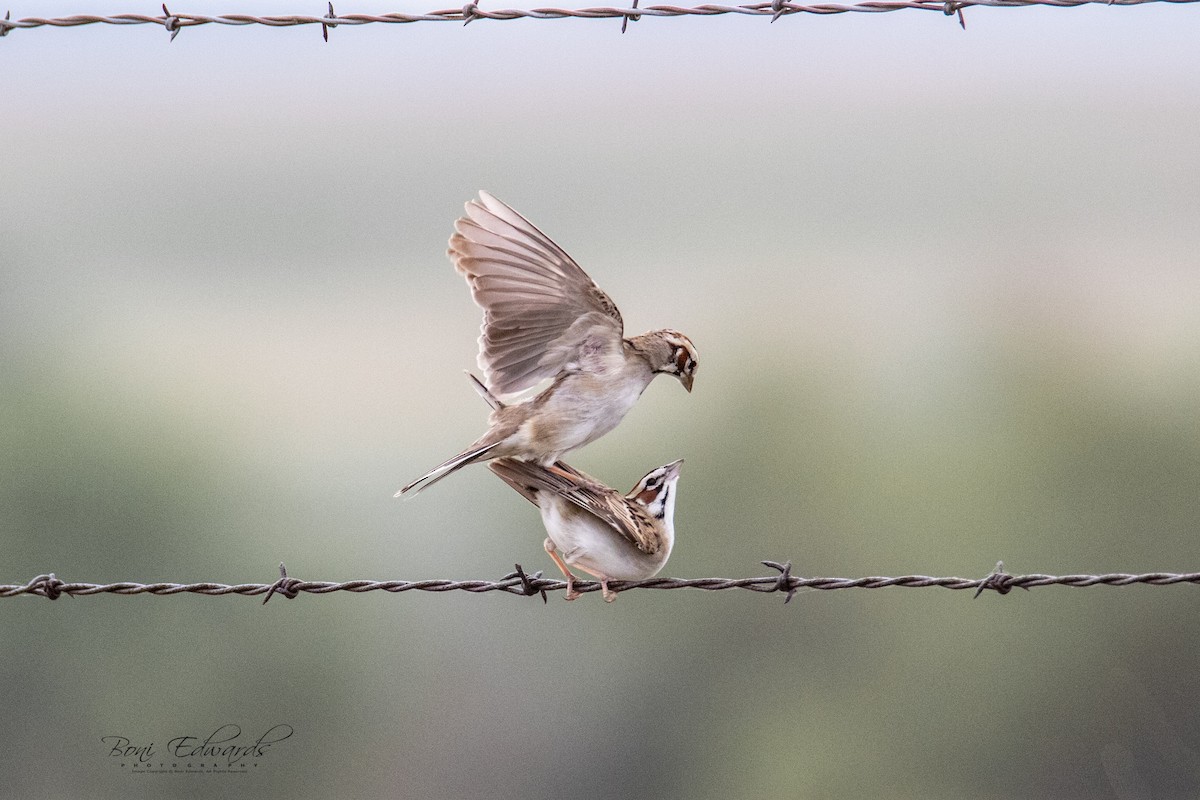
(609, 594)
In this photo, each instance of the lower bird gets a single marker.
(595, 528)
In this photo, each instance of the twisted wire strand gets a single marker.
(519, 582)
(174, 22)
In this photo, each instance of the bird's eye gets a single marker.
(652, 483)
(683, 362)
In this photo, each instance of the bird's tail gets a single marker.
(448, 467)
(512, 472)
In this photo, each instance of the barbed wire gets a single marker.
(519, 582)
(471, 11)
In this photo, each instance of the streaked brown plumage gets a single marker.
(596, 528)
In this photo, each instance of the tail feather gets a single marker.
(508, 470)
(448, 468)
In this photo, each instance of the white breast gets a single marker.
(592, 546)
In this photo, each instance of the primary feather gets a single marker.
(533, 296)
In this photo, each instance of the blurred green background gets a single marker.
(944, 286)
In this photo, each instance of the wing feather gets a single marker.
(607, 504)
(532, 294)
(513, 478)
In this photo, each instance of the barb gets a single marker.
(470, 12)
(625, 20)
(325, 26)
(524, 584)
(951, 8)
(170, 22)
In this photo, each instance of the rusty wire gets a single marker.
(174, 22)
(519, 582)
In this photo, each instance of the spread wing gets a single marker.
(627, 519)
(539, 307)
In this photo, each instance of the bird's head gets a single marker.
(656, 491)
(671, 353)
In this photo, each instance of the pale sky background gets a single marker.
(945, 289)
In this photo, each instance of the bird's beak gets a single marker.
(673, 468)
(686, 380)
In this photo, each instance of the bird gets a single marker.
(596, 528)
(543, 317)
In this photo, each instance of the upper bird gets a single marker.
(543, 317)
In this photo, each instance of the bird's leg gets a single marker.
(561, 469)
(571, 593)
(609, 594)
(555, 469)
